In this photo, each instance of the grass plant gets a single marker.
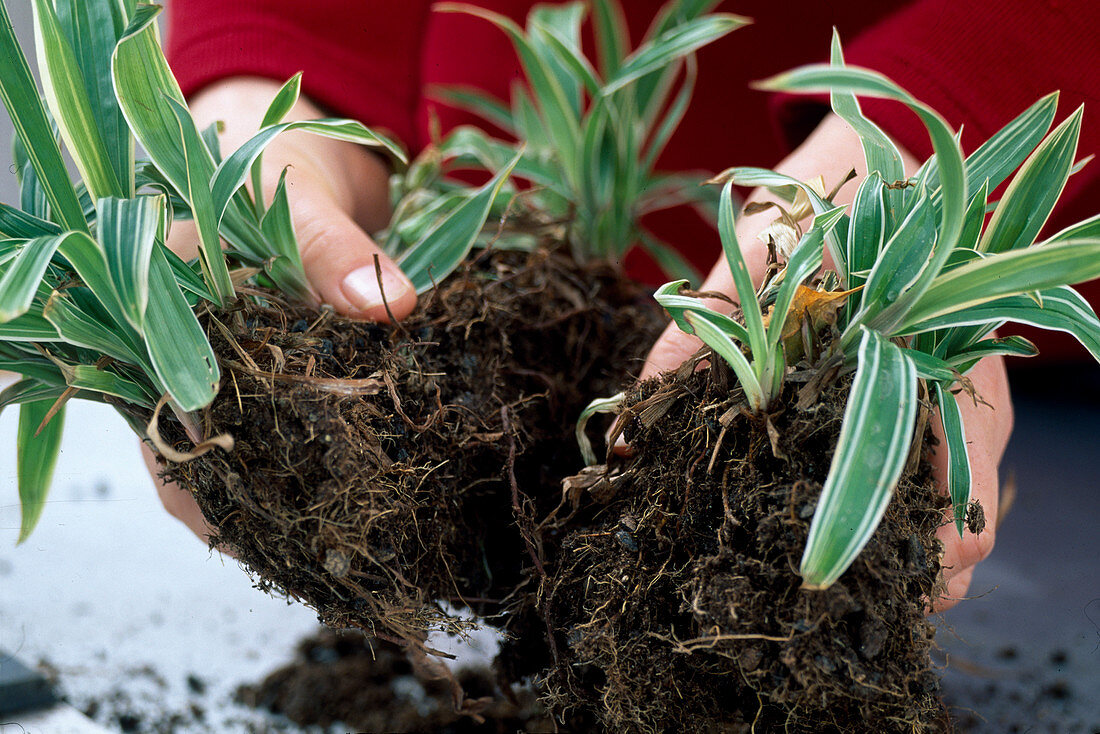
(922, 270)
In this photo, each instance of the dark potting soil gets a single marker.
(676, 600)
(380, 469)
(371, 686)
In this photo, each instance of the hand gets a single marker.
(338, 192)
(831, 151)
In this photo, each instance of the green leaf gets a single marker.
(232, 172)
(22, 277)
(278, 229)
(930, 367)
(751, 176)
(672, 45)
(29, 328)
(280, 107)
(804, 262)
(33, 129)
(900, 264)
(89, 377)
(82, 329)
(477, 102)
(68, 100)
(821, 78)
(154, 107)
(1007, 346)
(1029, 199)
(554, 108)
(178, 348)
(554, 32)
(127, 230)
(1088, 228)
(679, 306)
(1006, 274)
(87, 258)
(29, 391)
(974, 218)
(874, 442)
(879, 151)
(93, 29)
(612, 36)
(1062, 309)
(712, 333)
(999, 156)
(746, 293)
(958, 462)
(446, 245)
(36, 458)
(600, 405)
(18, 224)
(196, 190)
(866, 235)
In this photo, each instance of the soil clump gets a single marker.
(675, 599)
(371, 686)
(379, 470)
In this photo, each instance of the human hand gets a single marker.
(831, 151)
(338, 191)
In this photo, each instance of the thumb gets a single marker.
(344, 265)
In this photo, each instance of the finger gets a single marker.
(987, 425)
(340, 262)
(178, 502)
(957, 589)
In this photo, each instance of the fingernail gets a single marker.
(361, 287)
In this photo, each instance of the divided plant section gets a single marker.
(382, 474)
(765, 560)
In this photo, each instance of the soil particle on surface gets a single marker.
(346, 679)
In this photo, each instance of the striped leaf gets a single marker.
(93, 29)
(818, 78)
(67, 96)
(958, 461)
(900, 264)
(1061, 309)
(286, 267)
(1029, 199)
(750, 176)
(127, 230)
(672, 45)
(178, 348)
(746, 292)
(1006, 274)
(283, 101)
(712, 332)
(18, 224)
(874, 442)
(446, 245)
(153, 104)
(230, 175)
(22, 277)
(32, 126)
(37, 453)
(554, 110)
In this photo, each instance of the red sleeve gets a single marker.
(324, 39)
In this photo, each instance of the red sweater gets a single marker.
(979, 62)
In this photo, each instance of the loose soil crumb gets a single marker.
(675, 599)
(370, 686)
